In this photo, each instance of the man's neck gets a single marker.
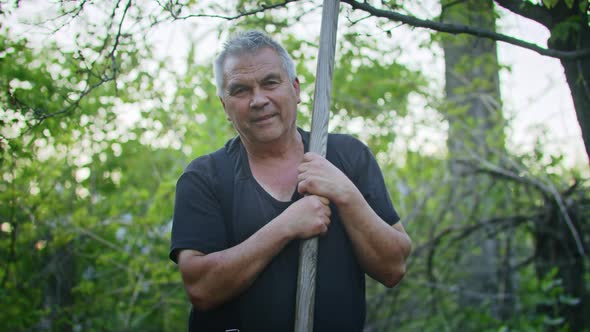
(283, 148)
(274, 165)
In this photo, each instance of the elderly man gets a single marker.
(238, 252)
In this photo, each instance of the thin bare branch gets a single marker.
(466, 29)
(263, 8)
(547, 188)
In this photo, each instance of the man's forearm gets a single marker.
(380, 248)
(213, 279)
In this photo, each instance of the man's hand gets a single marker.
(318, 176)
(308, 217)
(380, 248)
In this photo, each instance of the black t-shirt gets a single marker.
(269, 303)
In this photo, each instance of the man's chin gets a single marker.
(270, 135)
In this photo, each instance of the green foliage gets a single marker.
(566, 29)
(569, 3)
(551, 3)
(75, 187)
(547, 291)
(582, 5)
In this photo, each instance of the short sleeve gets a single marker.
(198, 220)
(359, 164)
(371, 183)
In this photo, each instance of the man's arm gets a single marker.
(213, 279)
(380, 248)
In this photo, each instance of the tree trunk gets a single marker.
(476, 123)
(577, 73)
(555, 247)
(476, 130)
(58, 300)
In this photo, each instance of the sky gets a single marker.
(534, 91)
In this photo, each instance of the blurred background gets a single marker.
(482, 145)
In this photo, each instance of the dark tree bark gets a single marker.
(577, 72)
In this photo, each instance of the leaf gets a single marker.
(550, 3)
(569, 300)
(566, 29)
(553, 321)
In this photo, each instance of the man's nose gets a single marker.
(259, 99)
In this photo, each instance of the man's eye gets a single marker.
(271, 83)
(237, 91)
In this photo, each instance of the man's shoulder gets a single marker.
(347, 153)
(205, 161)
(345, 143)
(200, 163)
(341, 138)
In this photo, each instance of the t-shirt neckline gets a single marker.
(245, 165)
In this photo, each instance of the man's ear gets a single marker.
(226, 114)
(297, 89)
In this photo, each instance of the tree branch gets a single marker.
(548, 190)
(458, 29)
(263, 8)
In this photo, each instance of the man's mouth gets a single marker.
(264, 118)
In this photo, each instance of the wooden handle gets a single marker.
(306, 279)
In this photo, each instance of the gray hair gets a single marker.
(249, 42)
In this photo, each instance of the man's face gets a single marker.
(258, 97)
